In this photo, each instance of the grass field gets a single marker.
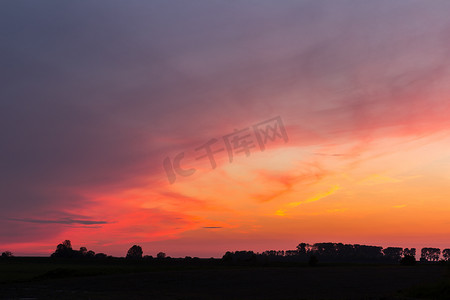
(42, 278)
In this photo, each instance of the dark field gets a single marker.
(34, 278)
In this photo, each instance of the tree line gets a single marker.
(339, 252)
(65, 250)
(312, 253)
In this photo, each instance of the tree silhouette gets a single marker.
(430, 254)
(135, 252)
(83, 251)
(336, 252)
(161, 255)
(101, 255)
(274, 252)
(410, 252)
(67, 244)
(227, 257)
(64, 250)
(303, 248)
(364, 252)
(240, 257)
(393, 253)
(446, 254)
(7, 254)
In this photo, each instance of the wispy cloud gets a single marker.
(67, 221)
(378, 179)
(317, 196)
(280, 212)
(85, 129)
(399, 206)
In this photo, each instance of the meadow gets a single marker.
(46, 278)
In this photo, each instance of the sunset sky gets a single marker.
(96, 95)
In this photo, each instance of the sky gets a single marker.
(326, 121)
